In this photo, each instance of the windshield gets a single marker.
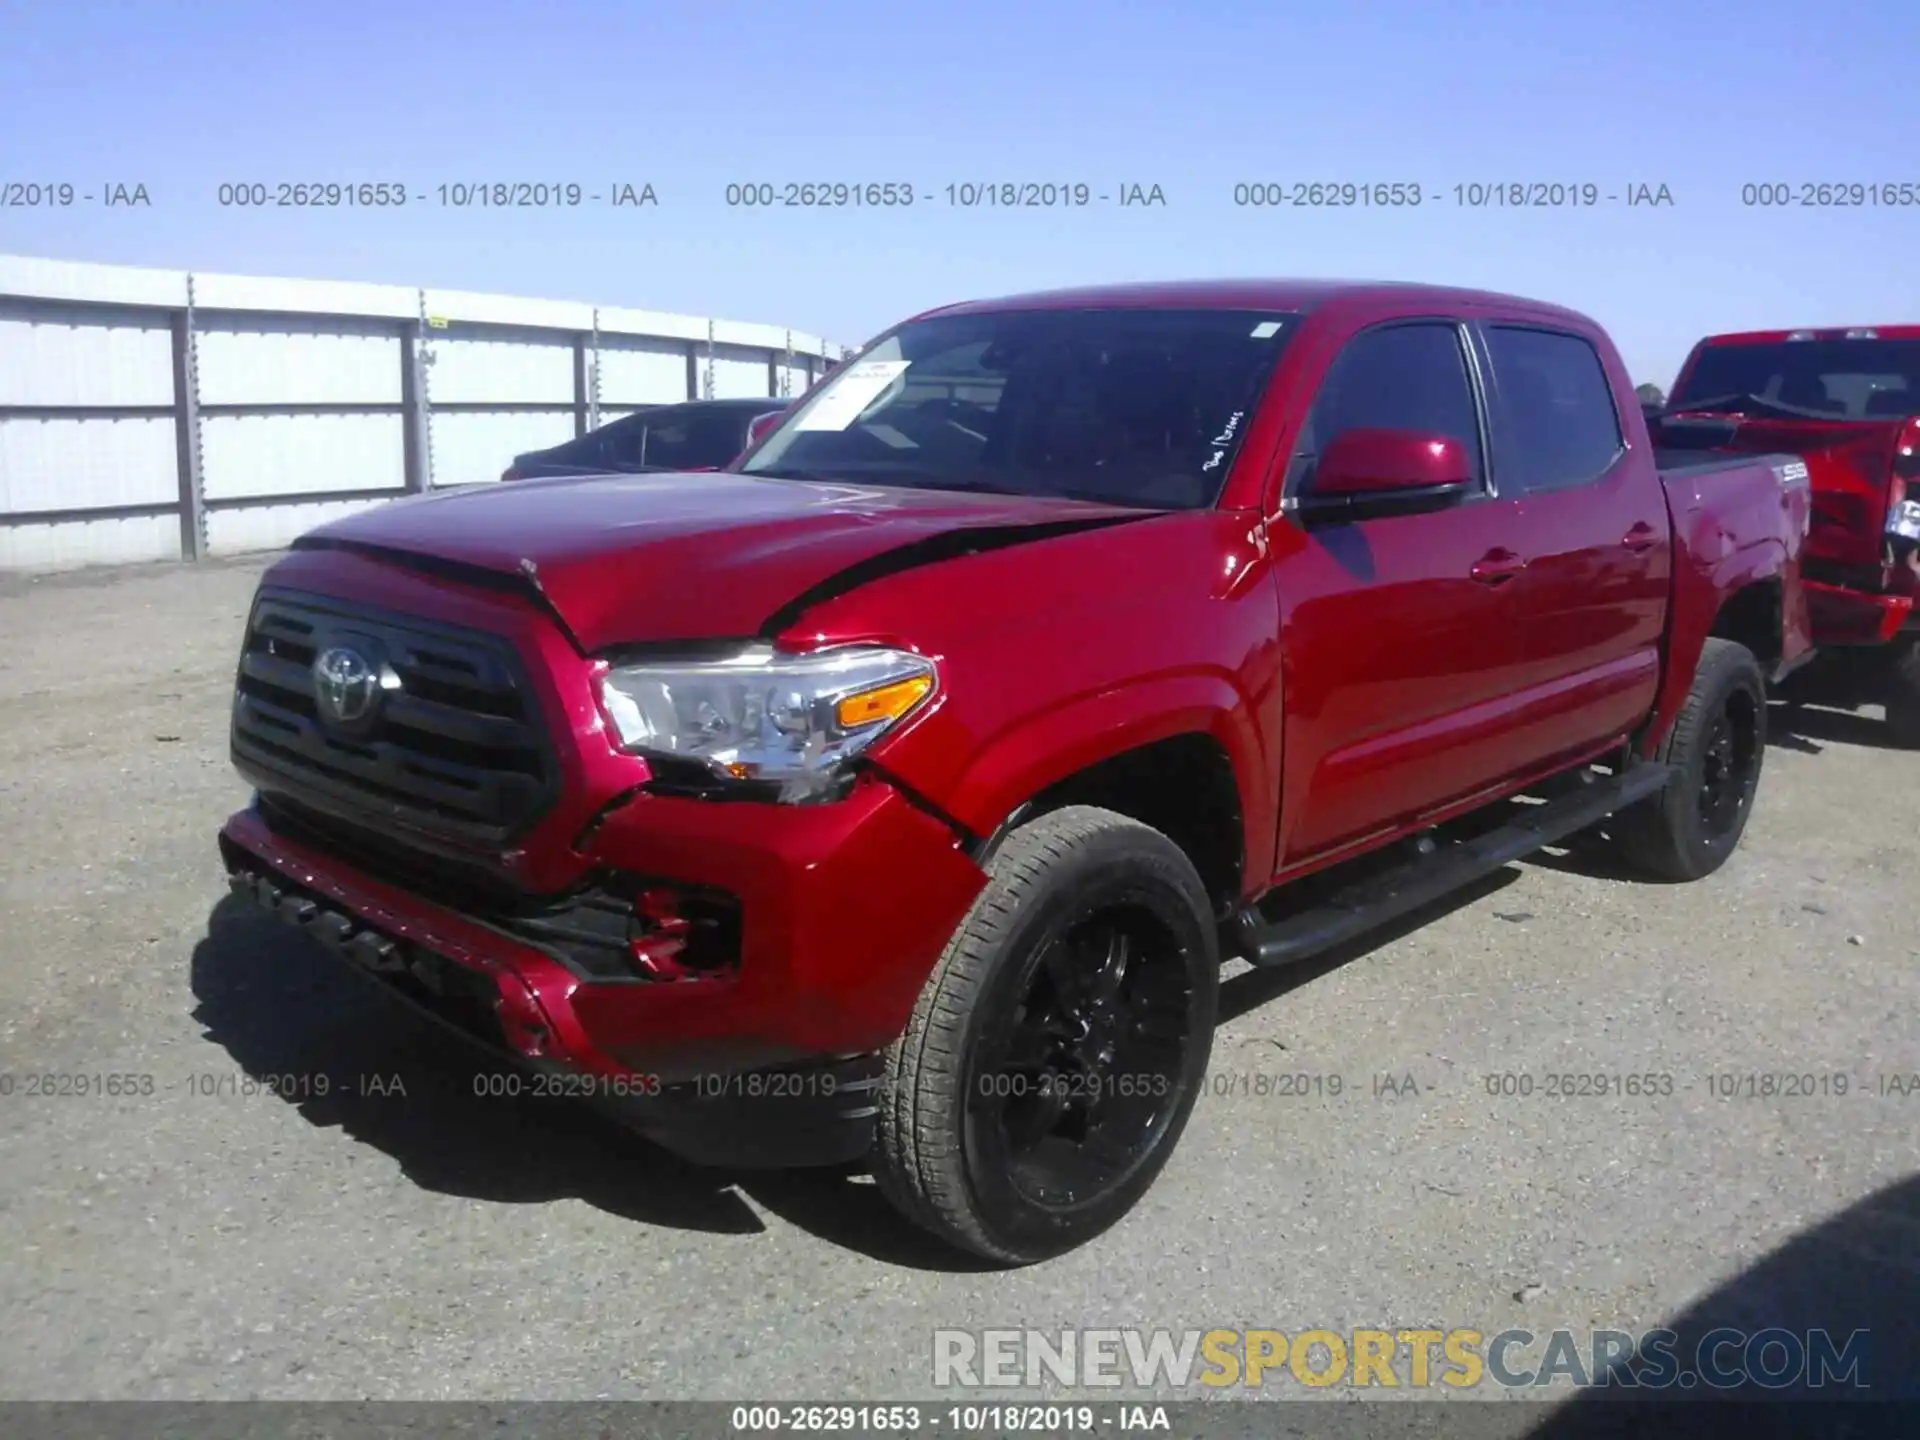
(1837, 379)
(1130, 407)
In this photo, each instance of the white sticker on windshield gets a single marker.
(857, 387)
(1266, 330)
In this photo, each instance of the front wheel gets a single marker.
(1716, 747)
(1059, 1045)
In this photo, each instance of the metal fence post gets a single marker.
(593, 375)
(415, 358)
(706, 390)
(186, 432)
(413, 443)
(579, 385)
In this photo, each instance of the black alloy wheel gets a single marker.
(1729, 768)
(1071, 1095)
(1058, 1047)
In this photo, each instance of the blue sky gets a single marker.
(1194, 98)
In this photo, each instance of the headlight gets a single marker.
(785, 720)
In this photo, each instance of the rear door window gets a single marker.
(1560, 423)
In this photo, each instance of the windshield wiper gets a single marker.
(791, 472)
(1717, 403)
(899, 479)
(889, 479)
(1736, 405)
(949, 482)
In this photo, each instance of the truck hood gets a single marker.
(634, 559)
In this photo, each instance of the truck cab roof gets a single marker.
(1815, 332)
(1295, 296)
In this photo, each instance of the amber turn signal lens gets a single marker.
(888, 702)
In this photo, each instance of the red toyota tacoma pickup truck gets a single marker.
(900, 791)
(1848, 402)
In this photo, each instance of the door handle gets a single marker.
(1641, 537)
(1496, 567)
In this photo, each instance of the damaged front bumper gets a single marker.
(772, 1064)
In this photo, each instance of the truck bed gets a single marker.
(1670, 461)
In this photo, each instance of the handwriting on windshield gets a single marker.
(1223, 441)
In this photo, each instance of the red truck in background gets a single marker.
(899, 791)
(1847, 400)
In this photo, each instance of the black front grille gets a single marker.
(453, 747)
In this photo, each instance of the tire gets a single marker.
(1901, 688)
(982, 1095)
(1717, 747)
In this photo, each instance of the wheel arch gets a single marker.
(1183, 784)
(1752, 615)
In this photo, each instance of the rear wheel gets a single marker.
(1716, 747)
(1059, 1045)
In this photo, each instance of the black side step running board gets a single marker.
(1439, 872)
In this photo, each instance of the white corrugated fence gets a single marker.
(161, 414)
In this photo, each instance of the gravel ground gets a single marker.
(418, 1242)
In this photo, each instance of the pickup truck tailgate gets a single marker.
(1851, 465)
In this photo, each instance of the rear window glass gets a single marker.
(1846, 379)
(692, 443)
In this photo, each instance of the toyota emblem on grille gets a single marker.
(345, 684)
